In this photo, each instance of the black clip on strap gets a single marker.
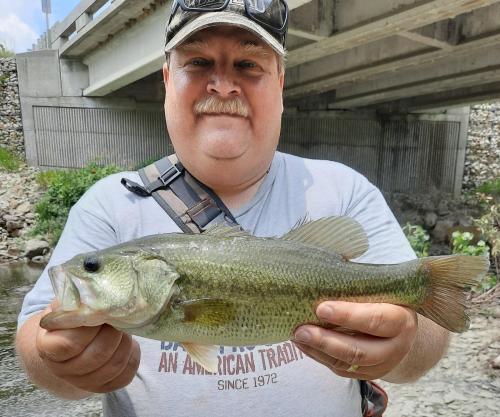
(162, 182)
(135, 188)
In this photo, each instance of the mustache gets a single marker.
(215, 105)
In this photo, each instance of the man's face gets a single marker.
(224, 99)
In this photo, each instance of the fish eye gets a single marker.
(91, 264)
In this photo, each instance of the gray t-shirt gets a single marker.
(275, 380)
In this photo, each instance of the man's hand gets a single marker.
(93, 359)
(383, 334)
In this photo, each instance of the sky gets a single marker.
(22, 21)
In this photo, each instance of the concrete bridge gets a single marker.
(400, 58)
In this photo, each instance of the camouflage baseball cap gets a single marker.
(267, 19)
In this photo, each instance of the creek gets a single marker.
(18, 397)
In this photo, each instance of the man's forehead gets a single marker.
(242, 37)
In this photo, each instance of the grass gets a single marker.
(5, 53)
(8, 161)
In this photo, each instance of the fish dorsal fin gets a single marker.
(223, 230)
(342, 235)
(205, 355)
(208, 312)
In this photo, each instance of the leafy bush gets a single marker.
(461, 243)
(489, 224)
(45, 178)
(64, 189)
(9, 161)
(418, 238)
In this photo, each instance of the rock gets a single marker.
(442, 208)
(496, 363)
(13, 251)
(428, 205)
(441, 230)
(10, 218)
(11, 226)
(35, 248)
(23, 208)
(430, 220)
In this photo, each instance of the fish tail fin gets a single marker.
(450, 279)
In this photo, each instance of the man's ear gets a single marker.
(282, 85)
(166, 73)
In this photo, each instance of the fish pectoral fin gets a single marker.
(342, 235)
(83, 316)
(208, 312)
(205, 355)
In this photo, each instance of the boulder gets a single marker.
(13, 225)
(35, 248)
(442, 208)
(441, 230)
(430, 220)
(23, 208)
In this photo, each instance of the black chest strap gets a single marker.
(188, 202)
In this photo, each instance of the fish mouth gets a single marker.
(65, 290)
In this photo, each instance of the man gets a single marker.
(224, 79)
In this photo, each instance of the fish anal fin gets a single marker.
(205, 355)
(341, 235)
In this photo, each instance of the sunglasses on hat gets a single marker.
(272, 15)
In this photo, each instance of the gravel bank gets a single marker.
(19, 194)
(464, 383)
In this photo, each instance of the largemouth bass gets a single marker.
(226, 287)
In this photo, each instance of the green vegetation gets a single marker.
(462, 244)
(487, 198)
(5, 53)
(64, 189)
(3, 79)
(418, 238)
(491, 188)
(8, 161)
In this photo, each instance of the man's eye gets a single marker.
(247, 65)
(199, 62)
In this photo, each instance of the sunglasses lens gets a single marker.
(272, 13)
(204, 4)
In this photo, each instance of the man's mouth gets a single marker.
(223, 115)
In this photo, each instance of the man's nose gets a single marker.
(223, 83)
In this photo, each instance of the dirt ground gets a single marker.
(465, 382)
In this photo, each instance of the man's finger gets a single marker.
(362, 350)
(95, 355)
(337, 366)
(62, 345)
(376, 319)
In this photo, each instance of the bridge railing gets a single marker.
(78, 18)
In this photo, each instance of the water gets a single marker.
(18, 397)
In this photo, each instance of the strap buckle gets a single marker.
(169, 175)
